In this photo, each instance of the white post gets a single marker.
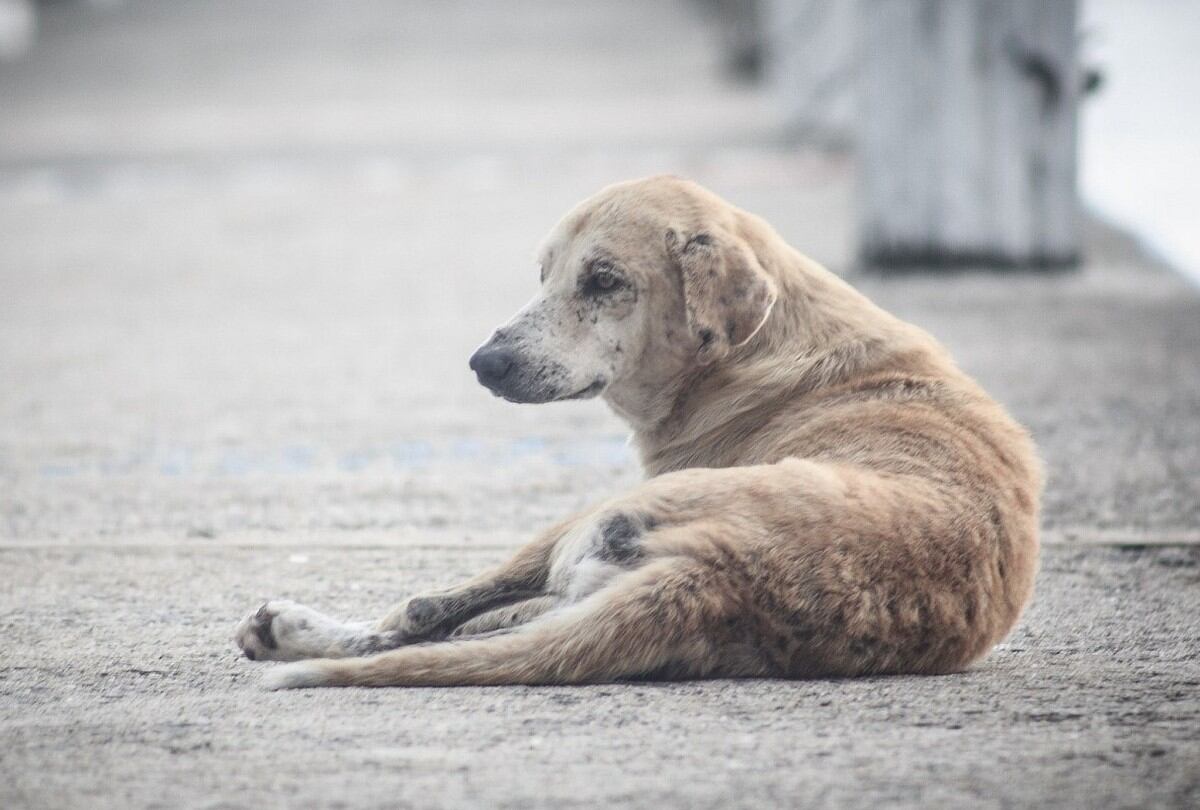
(18, 27)
(812, 64)
(966, 132)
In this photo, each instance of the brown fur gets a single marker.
(827, 493)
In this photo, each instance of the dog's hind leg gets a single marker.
(509, 616)
(646, 620)
(434, 615)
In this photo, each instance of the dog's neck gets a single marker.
(821, 332)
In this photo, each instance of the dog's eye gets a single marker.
(602, 280)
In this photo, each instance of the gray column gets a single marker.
(966, 132)
(812, 64)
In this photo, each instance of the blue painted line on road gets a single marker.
(299, 459)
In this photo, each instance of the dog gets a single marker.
(827, 494)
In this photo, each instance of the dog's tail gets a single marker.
(643, 621)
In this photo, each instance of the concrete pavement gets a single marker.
(245, 255)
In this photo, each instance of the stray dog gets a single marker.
(826, 493)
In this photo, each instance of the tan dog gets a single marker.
(827, 493)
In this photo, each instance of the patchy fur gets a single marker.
(826, 493)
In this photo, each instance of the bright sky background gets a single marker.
(1141, 133)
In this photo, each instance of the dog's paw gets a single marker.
(255, 635)
(281, 630)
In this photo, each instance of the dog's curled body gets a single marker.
(827, 493)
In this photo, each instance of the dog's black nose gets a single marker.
(491, 364)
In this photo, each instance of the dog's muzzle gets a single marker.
(493, 365)
(508, 372)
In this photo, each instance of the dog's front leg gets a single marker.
(282, 630)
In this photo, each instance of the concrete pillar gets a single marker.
(967, 132)
(812, 65)
(18, 27)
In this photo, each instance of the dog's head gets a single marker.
(639, 284)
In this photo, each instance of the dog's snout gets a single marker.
(491, 364)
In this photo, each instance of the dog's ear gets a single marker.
(727, 294)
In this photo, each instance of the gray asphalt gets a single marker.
(244, 257)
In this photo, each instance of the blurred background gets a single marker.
(247, 246)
